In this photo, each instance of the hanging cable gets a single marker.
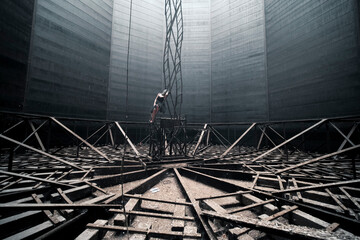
(126, 117)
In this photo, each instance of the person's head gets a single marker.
(165, 92)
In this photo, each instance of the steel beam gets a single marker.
(318, 186)
(237, 141)
(348, 136)
(196, 207)
(200, 139)
(127, 139)
(35, 179)
(37, 135)
(34, 132)
(341, 133)
(80, 138)
(317, 159)
(41, 152)
(289, 140)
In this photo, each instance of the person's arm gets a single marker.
(156, 99)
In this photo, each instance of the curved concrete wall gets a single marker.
(251, 60)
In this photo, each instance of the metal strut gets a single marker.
(172, 55)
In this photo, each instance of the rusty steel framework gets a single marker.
(62, 176)
(169, 137)
(172, 56)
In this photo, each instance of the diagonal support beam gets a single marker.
(341, 133)
(261, 138)
(35, 179)
(41, 152)
(200, 139)
(318, 159)
(34, 131)
(80, 138)
(37, 135)
(12, 127)
(273, 143)
(289, 140)
(348, 136)
(127, 139)
(237, 141)
(98, 130)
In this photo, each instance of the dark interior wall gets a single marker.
(196, 60)
(251, 60)
(239, 91)
(15, 33)
(145, 58)
(313, 58)
(70, 54)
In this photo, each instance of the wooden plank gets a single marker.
(281, 213)
(48, 177)
(296, 186)
(93, 185)
(214, 206)
(179, 211)
(332, 227)
(13, 218)
(92, 233)
(156, 200)
(141, 236)
(6, 180)
(350, 197)
(41, 152)
(250, 206)
(64, 175)
(54, 206)
(189, 230)
(151, 232)
(288, 230)
(11, 184)
(87, 173)
(31, 232)
(289, 140)
(123, 217)
(255, 181)
(317, 159)
(237, 141)
(154, 215)
(223, 195)
(336, 199)
(63, 195)
(280, 183)
(49, 214)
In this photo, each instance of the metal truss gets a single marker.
(169, 139)
(63, 177)
(172, 56)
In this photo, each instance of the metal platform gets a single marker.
(240, 180)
